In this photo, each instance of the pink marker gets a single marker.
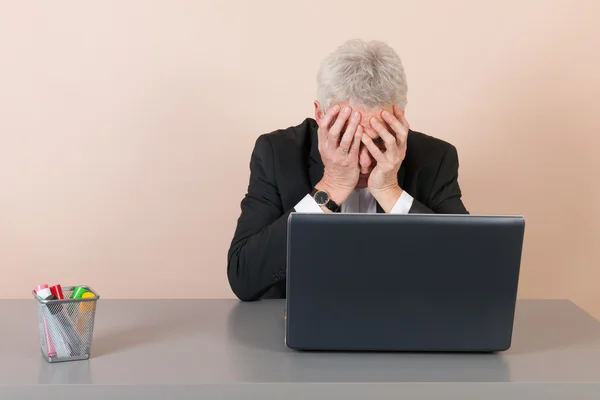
(55, 343)
(40, 287)
(40, 290)
(49, 341)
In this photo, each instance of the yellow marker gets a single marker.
(87, 306)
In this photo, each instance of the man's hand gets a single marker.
(340, 156)
(383, 181)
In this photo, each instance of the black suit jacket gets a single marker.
(284, 167)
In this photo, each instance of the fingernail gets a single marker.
(346, 110)
(386, 113)
(336, 107)
(355, 114)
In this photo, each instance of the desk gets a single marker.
(180, 349)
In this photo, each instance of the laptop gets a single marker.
(406, 282)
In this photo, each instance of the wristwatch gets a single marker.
(322, 198)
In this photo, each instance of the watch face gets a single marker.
(321, 197)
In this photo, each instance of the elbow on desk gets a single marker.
(238, 278)
(241, 291)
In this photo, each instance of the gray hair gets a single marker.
(370, 73)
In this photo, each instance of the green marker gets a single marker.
(78, 291)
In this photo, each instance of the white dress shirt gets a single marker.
(359, 201)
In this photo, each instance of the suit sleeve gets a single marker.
(256, 256)
(445, 194)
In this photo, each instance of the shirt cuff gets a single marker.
(403, 204)
(308, 205)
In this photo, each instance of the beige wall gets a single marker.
(115, 116)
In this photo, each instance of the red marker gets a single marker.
(57, 291)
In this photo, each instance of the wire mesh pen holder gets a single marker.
(66, 326)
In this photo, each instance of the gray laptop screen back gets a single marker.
(402, 282)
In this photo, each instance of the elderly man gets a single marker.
(357, 155)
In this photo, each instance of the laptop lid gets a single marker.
(406, 282)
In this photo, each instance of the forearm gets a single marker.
(388, 199)
(257, 262)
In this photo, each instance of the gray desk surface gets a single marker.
(228, 349)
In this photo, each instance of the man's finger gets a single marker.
(405, 123)
(333, 135)
(373, 149)
(407, 127)
(399, 113)
(348, 135)
(388, 138)
(330, 116)
(327, 121)
(397, 126)
(356, 142)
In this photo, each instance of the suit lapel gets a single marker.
(315, 172)
(315, 164)
(401, 175)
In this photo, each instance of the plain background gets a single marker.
(126, 128)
